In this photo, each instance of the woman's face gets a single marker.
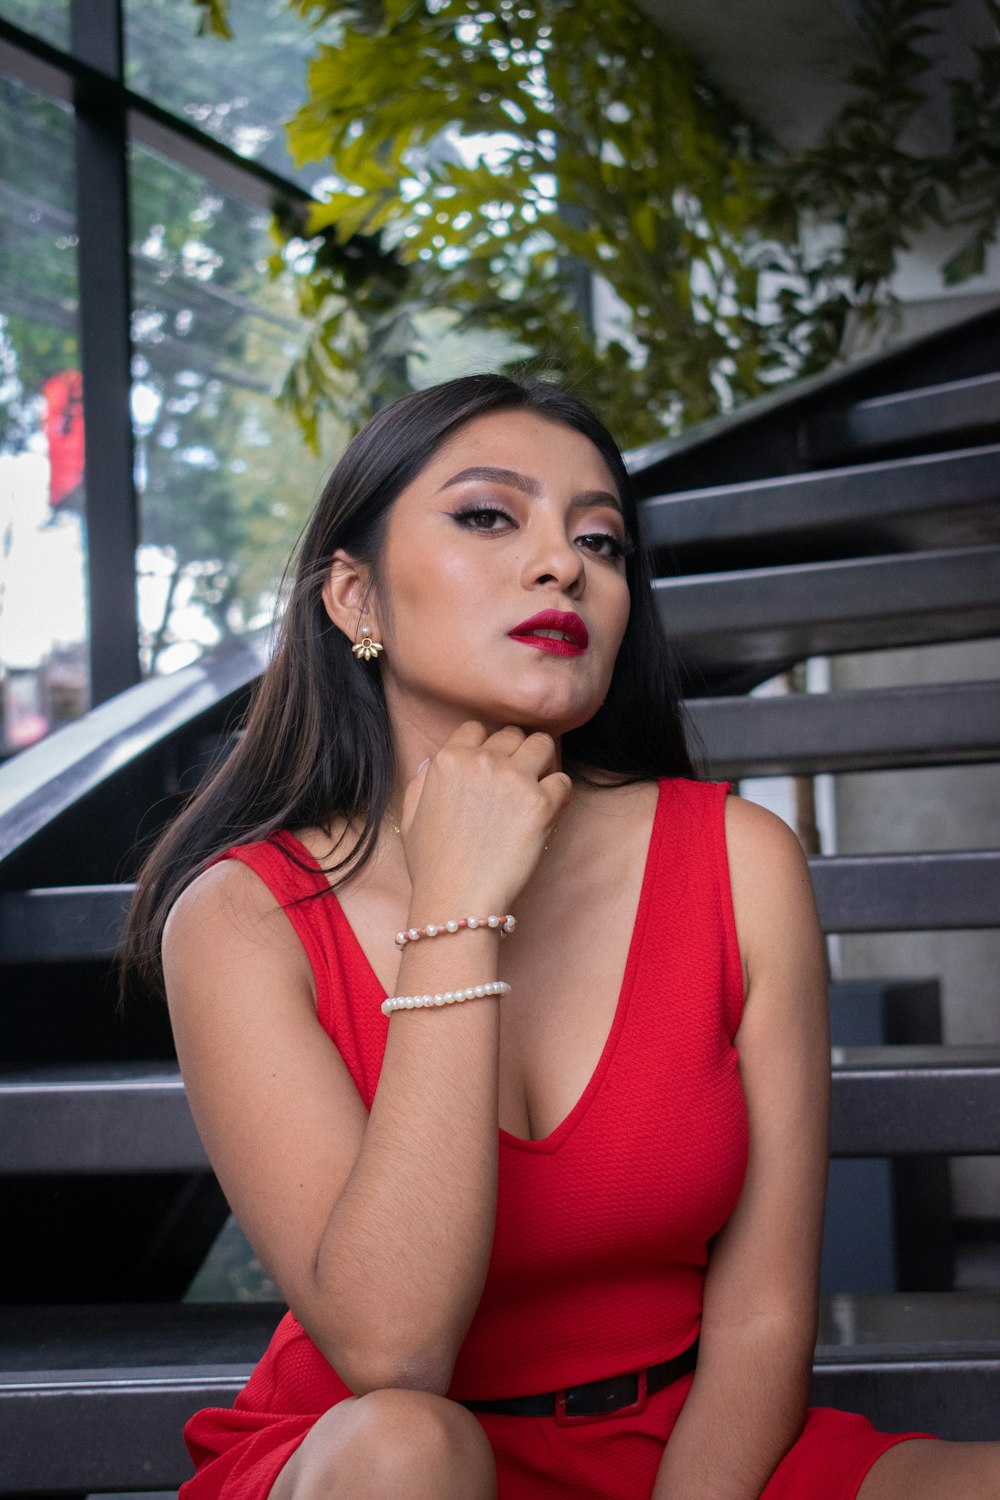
(513, 517)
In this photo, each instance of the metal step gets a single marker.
(899, 505)
(60, 923)
(134, 1117)
(94, 1398)
(924, 416)
(907, 892)
(856, 893)
(101, 1118)
(769, 435)
(40, 783)
(913, 1361)
(905, 1101)
(800, 734)
(734, 629)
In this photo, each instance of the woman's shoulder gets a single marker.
(771, 887)
(229, 923)
(757, 837)
(228, 892)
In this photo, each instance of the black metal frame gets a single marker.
(107, 115)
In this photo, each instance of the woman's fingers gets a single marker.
(471, 735)
(559, 789)
(536, 754)
(502, 791)
(412, 796)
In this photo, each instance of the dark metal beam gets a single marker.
(954, 1397)
(908, 892)
(134, 1117)
(761, 618)
(932, 500)
(41, 783)
(855, 893)
(106, 351)
(891, 1101)
(767, 435)
(126, 1118)
(116, 1384)
(803, 733)
(920, 416)
(60, 924)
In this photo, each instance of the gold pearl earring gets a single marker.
(367, 649)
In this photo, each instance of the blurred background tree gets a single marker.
(530, 184)
(480, 157)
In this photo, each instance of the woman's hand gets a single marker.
(476, 817)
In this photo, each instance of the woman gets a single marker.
(471, 717)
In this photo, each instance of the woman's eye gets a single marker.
(482, 517)
(604, 544)
(491, 518)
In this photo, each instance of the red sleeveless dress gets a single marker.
(602, 1227)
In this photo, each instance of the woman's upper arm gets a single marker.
(765, 1261)
(746, 1405)
(272, 1098)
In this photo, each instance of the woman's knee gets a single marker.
(413, 1429)
(392, 1442)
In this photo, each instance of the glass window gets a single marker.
(43, 598)
(224, 477)
(238, 90)
(48, 19)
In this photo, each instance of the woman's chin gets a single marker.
(555, 718)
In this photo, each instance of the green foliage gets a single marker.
(479, 154)
(213, 21)
(599, 145)
(480, 158)
(974, 177)
(878, 190)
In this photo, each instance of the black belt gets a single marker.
(598, 1398)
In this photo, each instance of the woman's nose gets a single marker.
(555, 560)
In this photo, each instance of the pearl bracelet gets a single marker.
(455, 924)
(447, 997)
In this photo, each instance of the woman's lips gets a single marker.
(553, 630)
(549, 644)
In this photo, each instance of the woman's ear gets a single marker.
(345, 593)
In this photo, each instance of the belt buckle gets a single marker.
(570, 1418)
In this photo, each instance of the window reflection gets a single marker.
(224, 478)
(48, 19)
(238, 90)
(43, 604)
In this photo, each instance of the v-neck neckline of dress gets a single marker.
(555, 1138)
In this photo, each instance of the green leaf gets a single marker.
(968, 260)
(214, 18)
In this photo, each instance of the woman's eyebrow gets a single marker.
(529, 486)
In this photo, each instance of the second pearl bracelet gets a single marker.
(447, 997)
(506, 925)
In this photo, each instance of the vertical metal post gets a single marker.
(103, 229)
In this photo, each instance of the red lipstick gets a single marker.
(568, 638)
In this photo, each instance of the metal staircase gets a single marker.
(856, 513)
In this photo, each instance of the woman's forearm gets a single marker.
(745, 1409)
(401, 1264)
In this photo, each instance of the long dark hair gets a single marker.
(316, 743)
